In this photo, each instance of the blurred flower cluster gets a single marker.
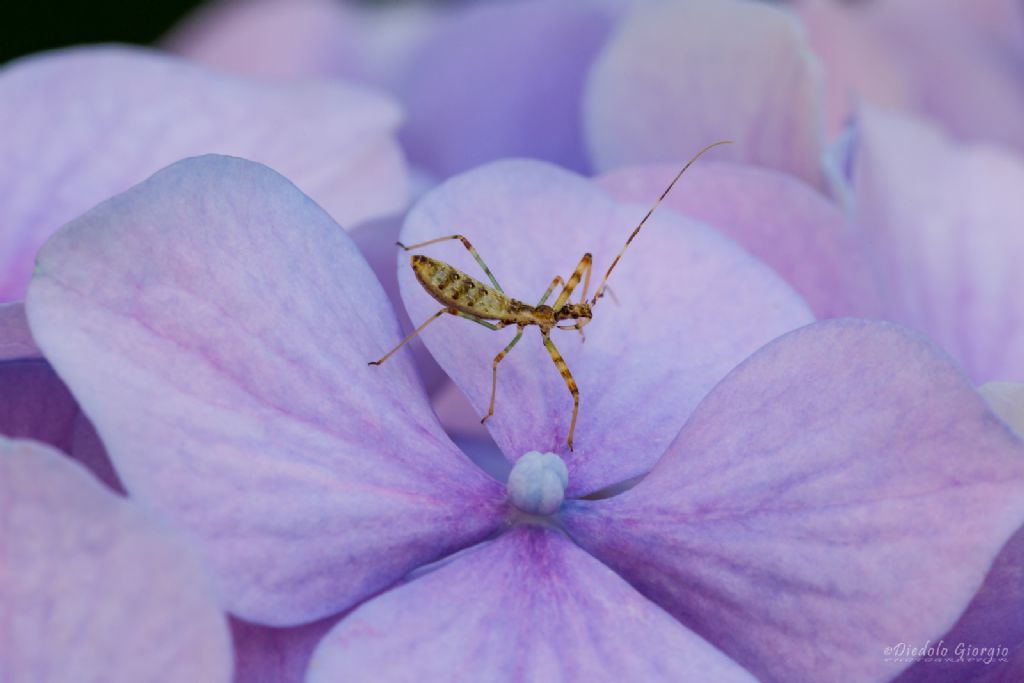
(799, 451)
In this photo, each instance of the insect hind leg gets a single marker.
(494, 372)
(563, 369)
(410, 337)
(466, 243)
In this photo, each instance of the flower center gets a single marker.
(537, 483)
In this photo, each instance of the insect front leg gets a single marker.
(494, 372)
(563, 369)
(467, 245)
(413, 334)
(584, 267)
(554, 283)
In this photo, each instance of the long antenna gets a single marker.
(600, 290)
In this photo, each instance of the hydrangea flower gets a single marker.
(931, 243)
(85, 124)
(94, 588)
(675, 75)
(1007, 400)
(958, 63)
(991, 624)
(942, 224)
(297, 39)
(796, 513)
(35, 404)
(552, 79)
(444, 67)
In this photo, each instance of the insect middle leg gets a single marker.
(494, 372)
(412, 334)
(563, 369)
(467, 245)
(453, 311)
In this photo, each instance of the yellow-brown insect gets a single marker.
(466, 297)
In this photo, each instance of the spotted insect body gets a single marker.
(456, 290)
(467, 297)
(453, 288)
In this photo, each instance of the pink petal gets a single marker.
(215, 324)
(272, 38)
(529, 606)
(965, 62)
(958, 62)
(692, 305)
(282, 39)
(808, 503)
(944, 224)
(93, 590)
(803, 236)
(502, 80)
(82, 125)
(858, 62)
(678, 76)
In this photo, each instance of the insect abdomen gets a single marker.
(452, 287)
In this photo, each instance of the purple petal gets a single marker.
(215, 324)
(35, 403)
(799, 233)
(92, 589)
(678, 76)
(275, 655)
(1012, 672)
(82, 125)
(1007, 401)
(16, 342)
(502, 80)
(88, 449)
(456, 413)
(529, 606)
(806, 504)
(376, 241)
(692, 305)
(992, 620)
(943, 222)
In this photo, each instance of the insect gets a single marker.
(465, 297)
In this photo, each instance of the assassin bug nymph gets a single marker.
(466, 297)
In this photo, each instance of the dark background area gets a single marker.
(27, 26)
